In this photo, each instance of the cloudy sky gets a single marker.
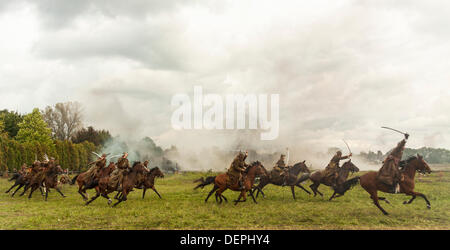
(342, 68)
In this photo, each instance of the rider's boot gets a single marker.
(241, 185)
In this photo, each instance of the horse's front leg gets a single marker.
(239, 199)
(253, 197)
(59, 191)
(334, 194)
(424, 197)
(304, 189)
(154, 189)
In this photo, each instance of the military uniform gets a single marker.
(333, 167)
(389, 173)
(236, 169)
(281, 169)
(122, 169)
(93, 171)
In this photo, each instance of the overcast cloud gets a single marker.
(342, 69)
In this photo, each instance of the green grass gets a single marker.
(183, 208)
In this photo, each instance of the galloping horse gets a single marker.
(129, 181)
(408, 169)
(317, 178)
(48, 177)
(221, 183)
(274, 178)
(82, 187)
(149, 182)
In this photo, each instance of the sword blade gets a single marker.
(398, 131)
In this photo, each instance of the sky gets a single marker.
(342, 69)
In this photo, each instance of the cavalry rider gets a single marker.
(236, 169)
(93, 171)
(122, 169)
(281, 168)
(389, 174)
(332, 169)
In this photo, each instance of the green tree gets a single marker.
(11, 120)
(33, 128)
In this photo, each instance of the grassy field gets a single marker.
(183, 208)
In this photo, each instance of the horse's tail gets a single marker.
(74, 179)
(209, 180)
(199, 180)
(349, 184)
(303, 178)
(14, 177)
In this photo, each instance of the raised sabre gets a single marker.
(347, 146)
(398, 131)
(287, 160)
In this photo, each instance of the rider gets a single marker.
(332, 168)
(122, 169)
(281, 168)
(389, 174)
(92, 172)
(236, 169)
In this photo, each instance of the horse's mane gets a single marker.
(135, 163)
(402, 164)
(255, 163)
(153, 169)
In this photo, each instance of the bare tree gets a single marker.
(64, 119)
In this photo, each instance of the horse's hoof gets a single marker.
(405, 202)
(429, 206)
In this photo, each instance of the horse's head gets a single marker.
(58, 169)
(419, 163)
(348, 165)
(156, 172)
(258, 168)
(302, 167)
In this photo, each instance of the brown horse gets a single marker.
(149, 182)
(273, 177)
(221, 183)
(129, 181)
(51, 180)
(81, 180)
(408, 169)
(317, 177)
(48, 177)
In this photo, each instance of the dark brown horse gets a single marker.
(48, 178)
(408, 169)
(83, 186)
(129, 181)
(221, 183)
(273, 177)
(149, 182)
(51, 180)
(317, 177)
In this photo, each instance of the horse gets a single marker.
(129, 181)
(317, 178)
(149, 182)
(274, 178)
(82, 185)
(408, 169)
(51, 180)
(221, 183)
(20, 180)
(204, 181)
(47, 177)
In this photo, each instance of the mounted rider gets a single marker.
(93, 171)
(389, 174)
(237, 168)
(281, 169)
(123, 167)
(332, 169)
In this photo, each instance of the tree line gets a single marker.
(55, 131)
